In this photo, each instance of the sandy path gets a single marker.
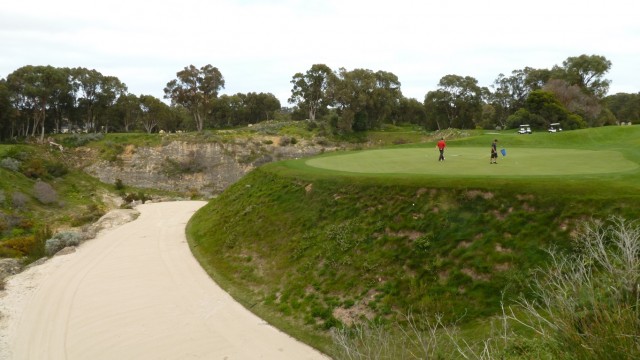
(136, 292)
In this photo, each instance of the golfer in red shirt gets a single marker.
(441, 145)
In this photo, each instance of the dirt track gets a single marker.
(134, 292)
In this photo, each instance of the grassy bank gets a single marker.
(310, 248)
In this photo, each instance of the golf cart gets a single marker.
(554, 127)
(524, 129)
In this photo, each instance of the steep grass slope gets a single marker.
(309, 249)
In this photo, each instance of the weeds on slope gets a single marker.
(586, 306)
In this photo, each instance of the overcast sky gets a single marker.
(258, 45)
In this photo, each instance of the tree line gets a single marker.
(39, 100)
(572, 94)
(36, 100)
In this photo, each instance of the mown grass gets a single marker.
(310, 249)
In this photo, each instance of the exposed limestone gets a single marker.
(205, 168)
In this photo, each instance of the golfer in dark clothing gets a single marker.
(441, 145)
(494, 152)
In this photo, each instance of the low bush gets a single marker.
(91, 214)
(19, 245)
(56, 169)
(44, 192)
(119, 185)
(61, 240)
(34, 168)
(10, 163)
(30, 246)
(193, 163)
(140, 196)
(588, 300)
(19, 200)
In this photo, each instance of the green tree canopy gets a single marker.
(34, 89)
(365, 98)
(195, 89)
(549, 109)
(313, 89)
(625, 107)
(587, 72)
(459, 98)
(153, 112)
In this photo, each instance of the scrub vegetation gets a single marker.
(43, 191)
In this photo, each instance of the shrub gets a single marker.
(61, 240)
(91, 214)
(10, 163)
(119, 184)
(34, 168)
(19, 200)
(588, 302)
(31, 246)
(56, 169)
(193, 163)
(285, 141)
(20, 245)
(44, 192)
(111, 152)
(140, 196)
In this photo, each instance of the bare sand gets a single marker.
(134, 292)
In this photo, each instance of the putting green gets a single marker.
(475, 161)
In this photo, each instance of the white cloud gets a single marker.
(259, 44)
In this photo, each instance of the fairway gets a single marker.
(475, 161)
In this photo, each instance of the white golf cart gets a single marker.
(554, 127)
(524, 129)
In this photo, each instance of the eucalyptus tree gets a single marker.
(587, 72)
(127, 108)
(260, 107)
(196, 90)
(436, 104)
(509, 95)
(385, 98)
(535, 79)
(22, 104)
(409, 111)
(458, 100)
(34, 88)
(86, 86)
(313, 90)
(111, 88)
(625, 107)
(153, 112)
(62, 104)
(227, 110)
(510, 92)
(6, 111)
(365, 98)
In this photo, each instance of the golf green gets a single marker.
(475, 161)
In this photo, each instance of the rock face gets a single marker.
(202, 168)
